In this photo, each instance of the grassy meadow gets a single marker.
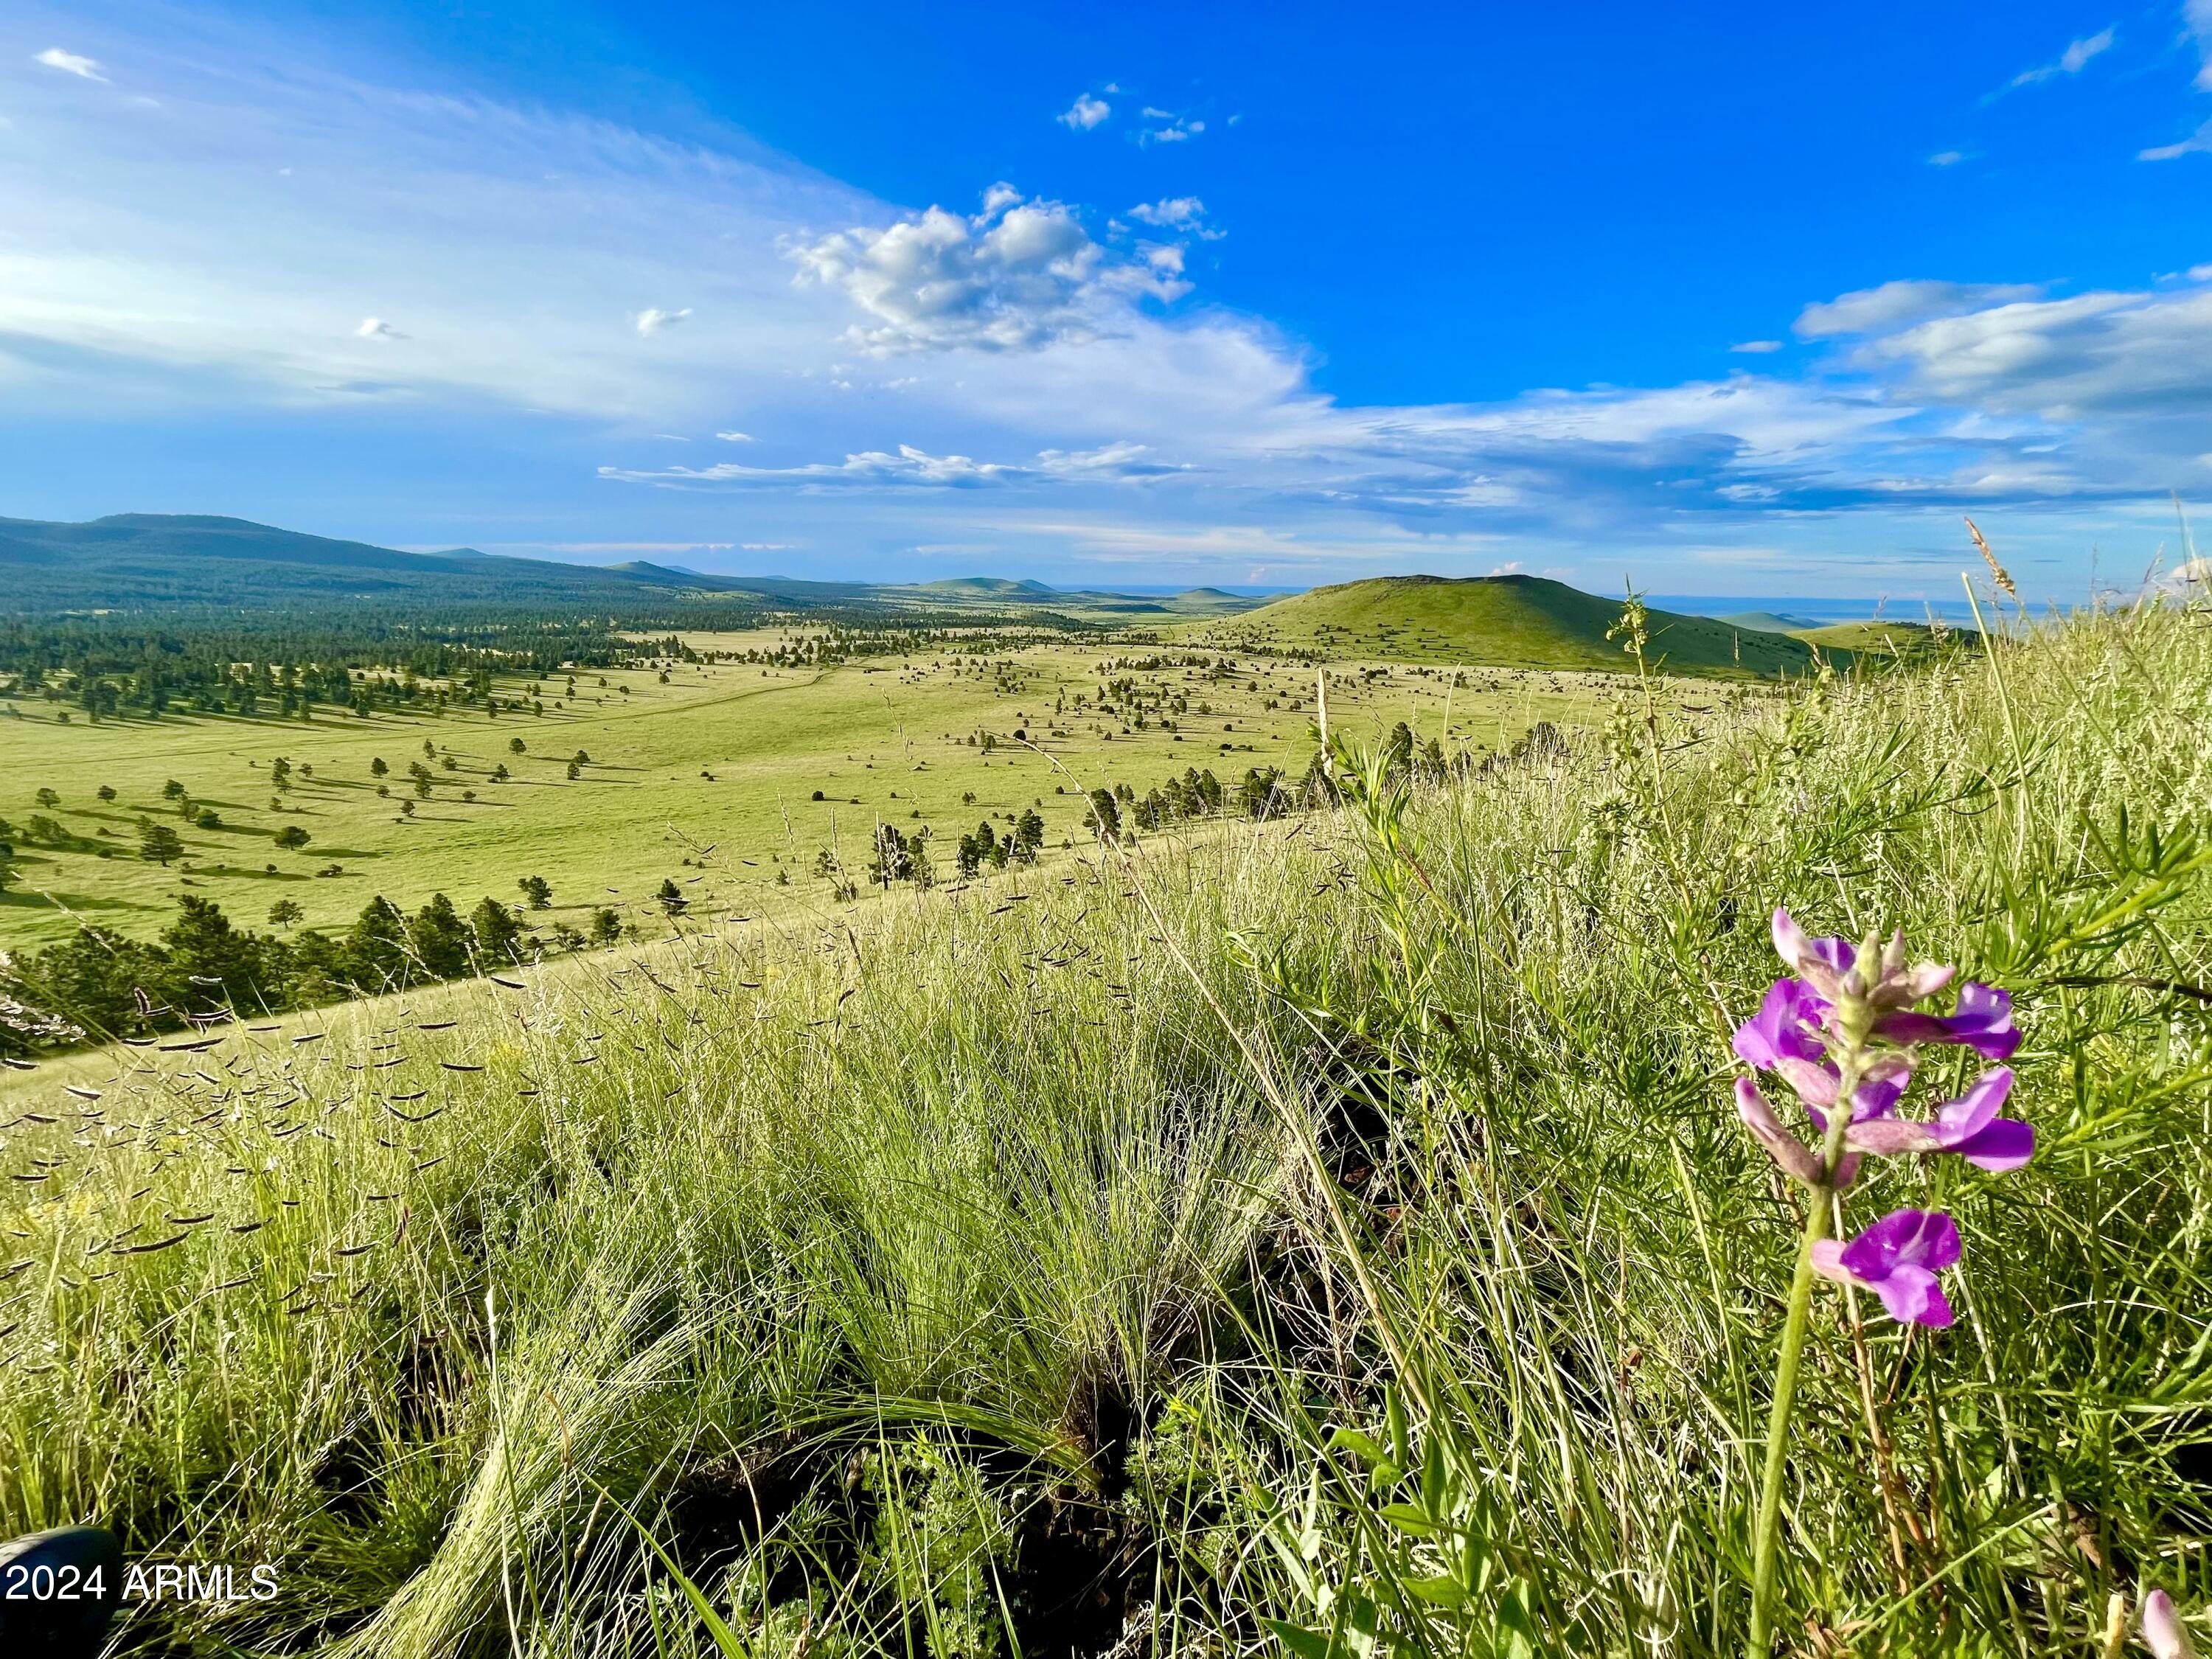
(717, 755)
(1331, 1235)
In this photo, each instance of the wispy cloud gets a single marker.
(653, 319)
(1872, 309)
(1757, 348)
(909, 468)
(1947, 158)
(1169, 128)
(1085, 114)
(2197, 15)
(2198, 143)
(71, 63)
(913, 468)
(375, 328)
(2077, 56)
(735, 437)
(240, 294)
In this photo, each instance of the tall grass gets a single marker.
(1336, 1234)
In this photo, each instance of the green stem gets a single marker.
(1766, 1534)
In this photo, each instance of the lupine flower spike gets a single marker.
(1839, 1016)
(1844, 1036)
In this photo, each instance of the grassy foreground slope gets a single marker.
(989, 1277)
(1509, 622)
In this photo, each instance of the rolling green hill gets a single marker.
(1767, 622)
(1506, 621)
(1876, 638)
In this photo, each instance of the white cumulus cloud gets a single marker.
(1016, 276)
(1183, 213)
(2142, 354)
(375, 328)
(1085, 114)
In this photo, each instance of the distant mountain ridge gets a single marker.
(154, 561)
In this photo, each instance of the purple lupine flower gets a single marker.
(1786, 1027)
(1898, 1259)
(2162, 1631)
(1983, 1022)
(1968, 1126)
(1798, 1032)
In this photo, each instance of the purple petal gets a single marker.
(1911, 1297)
(1965, 1116)
(1898, 1259)
(1938, 1312)
(1878, 1095)
(1784, 1148)
(1970, 1126)
(2002, 1147)
(1835, 953)
(1984, 1021)
(1920, 1238)
(1935, 1245)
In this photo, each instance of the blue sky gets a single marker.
(1749, 301)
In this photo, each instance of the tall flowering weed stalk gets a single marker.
(1842, 1036)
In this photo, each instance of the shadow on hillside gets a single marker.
(25, 899)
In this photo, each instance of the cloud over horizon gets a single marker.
(1062, 365)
